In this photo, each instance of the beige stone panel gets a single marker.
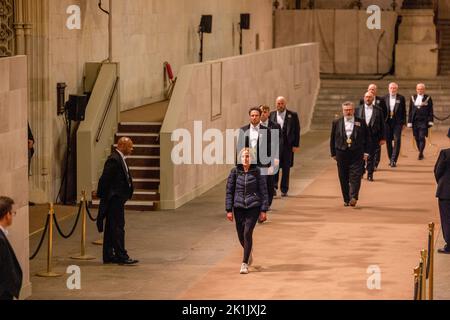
(421, 65)
(4, 112)
(346, 49)
(4, 75)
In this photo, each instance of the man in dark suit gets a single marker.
(442, 175)
(420, 117)
(395, 122)
(380, 104)
(275, 138)
(374, 119)
(115, 188)
(290, 142)
(349, 147)
(10, 270)
(257, 137)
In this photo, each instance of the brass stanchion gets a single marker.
(421, 281)
(430, 143)
(423, 262)
(417, 287)
(431, 261)
(49, 273)
(83, 255)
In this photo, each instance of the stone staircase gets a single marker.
(444, 47)
(336, 91)
(144, 163)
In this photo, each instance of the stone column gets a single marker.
(417, 50)
(18, 26)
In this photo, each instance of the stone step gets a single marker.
(143, 161)
(140, 127)
(134, 205)
(139, 138)
(145, 172)
(146, 183)
(144, 149)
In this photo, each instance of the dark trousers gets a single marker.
(444, 210)
(372, 160)
(6, 296)
(350, 169)
(114, 237)
(286, 162)
(377, 158)
(245, 224)
(420, 135)
(270, 188)
(393, 141)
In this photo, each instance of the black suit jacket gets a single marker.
(114, 182)
(442, 175)
(291, 129)
(376, 124)
(379, 103)
(421, 117)
(290, 136)
(263, 147)
(399, 116)
(360, 137)
(10, 270)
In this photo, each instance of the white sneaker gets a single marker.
(244, 268)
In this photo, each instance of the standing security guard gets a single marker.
(442, 175)
(420, 117)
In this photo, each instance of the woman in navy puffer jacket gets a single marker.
(247, 197)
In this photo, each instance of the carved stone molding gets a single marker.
(6, 28)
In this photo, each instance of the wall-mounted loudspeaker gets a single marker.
(206, 24)
(245, 21)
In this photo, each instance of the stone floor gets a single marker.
(311, 248)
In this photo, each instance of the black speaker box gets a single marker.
(245, 21)
(206, 24)
(76, 107)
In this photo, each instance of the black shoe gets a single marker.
(393, 164)
(284, 194)
(128, 261)
(370, 178)
(353, 202)
(111, 260)
(346, 204)
(421, 157)
(444, 251)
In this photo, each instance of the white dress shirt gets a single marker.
(4, 230)
(265, 124)
(254, 135)
(392, 102)
(280, 118)
(349, 125)
(419, 100)
(368, 110)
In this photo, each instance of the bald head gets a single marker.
(281, 104)
(125, 145)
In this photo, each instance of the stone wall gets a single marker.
(343, 4)
(347, 46)
(145, 34)
(14, 154)
(219, 95)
